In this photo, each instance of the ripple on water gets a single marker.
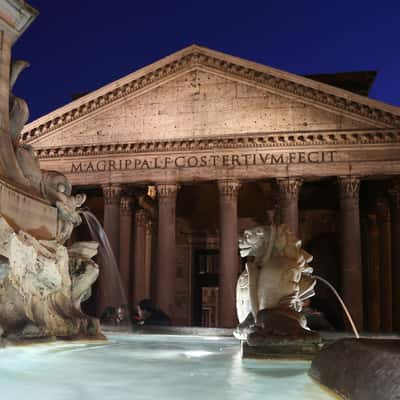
(149, 367)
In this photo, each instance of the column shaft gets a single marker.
(373, 301)
(350, 242)
(109, 293)
(289, 189)
(125, 245)
(228, 257)
(166, 247)
(385, 265)
(139, 289)
(395, 235)
(148, 258)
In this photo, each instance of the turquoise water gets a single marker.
(139, 367)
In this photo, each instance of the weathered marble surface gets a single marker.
(42, 283)
(42, 286)
(272, 290)
(360, 369)
(202, 103)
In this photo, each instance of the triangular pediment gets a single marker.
(198, 92)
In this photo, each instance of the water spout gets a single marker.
(346, 311)
(113, 293)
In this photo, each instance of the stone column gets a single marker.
(125, 245)
(138, 289)
(107, 280)
(385, 256)
(228, 257)
(395, 234)
(166, 246)
(373, 301)
(350, 243)
(148, 258)
(289, 189)
(112, 195)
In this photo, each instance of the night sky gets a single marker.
(78, 46)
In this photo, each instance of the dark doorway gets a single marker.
(205, 284)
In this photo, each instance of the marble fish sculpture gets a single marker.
(271, 291)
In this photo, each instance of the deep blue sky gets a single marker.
(80, 45)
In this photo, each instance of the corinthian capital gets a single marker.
(112, 193)
(167, 190)
(125, 206)
(229, 188)
(349, 187)
(289, 188)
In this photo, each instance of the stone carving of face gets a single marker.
(252, 242)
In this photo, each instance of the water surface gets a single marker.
(141, 367)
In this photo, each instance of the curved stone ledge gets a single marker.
(363, 369)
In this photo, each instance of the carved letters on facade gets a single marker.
(203, 161)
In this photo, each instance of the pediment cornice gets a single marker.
(294, 86)
(250, 141)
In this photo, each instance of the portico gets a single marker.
(185, 153)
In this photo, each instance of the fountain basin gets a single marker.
(360, 369)
(150, 367)
(27, 212)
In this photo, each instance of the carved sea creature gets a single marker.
(19, 111)
(42, 283)
(41, 293)
(275, 284)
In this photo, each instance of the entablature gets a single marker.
(261, 141)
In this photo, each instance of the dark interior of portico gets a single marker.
(197, 227)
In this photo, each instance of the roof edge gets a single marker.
(192, 55)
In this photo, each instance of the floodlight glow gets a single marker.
(197, 353)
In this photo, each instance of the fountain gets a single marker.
(270, 297)
(42, 282)
(271, 293)
(113, 292)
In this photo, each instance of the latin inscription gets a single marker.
(203, 161)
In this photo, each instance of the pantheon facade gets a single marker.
(182, 155)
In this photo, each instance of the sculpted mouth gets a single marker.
(244, 251)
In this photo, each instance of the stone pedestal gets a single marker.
(350, 244)
(139, 277)
(166, 246)
(385, 256)
(395, 234)
(289, 189)
(125, 244)
(228, 258)
(112, 193)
